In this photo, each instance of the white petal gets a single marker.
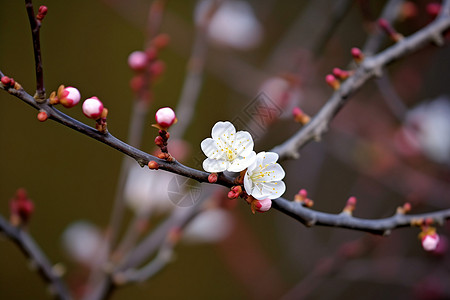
(248, 185)
(268, 173)
(222, 129)
(215, 165)
(259, 192)
(243, 143)
(268, 157)
(241, 163)
(211, 149)
(276, 189)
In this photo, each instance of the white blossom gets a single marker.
(147, 190)
(227, 150)
(210, 226)
(233, 24)
(263, 177)
(82, 241)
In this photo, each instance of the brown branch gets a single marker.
(370, 67)
(35, 28)
(31, 250)
(383, 226)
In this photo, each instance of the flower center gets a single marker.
(230, 154)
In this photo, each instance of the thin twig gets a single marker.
(35, 28)
(370, 67)
(31, 250)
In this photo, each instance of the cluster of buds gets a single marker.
(165, 117)
(147, 66)
(389, 30)
(341, 74)
(93, 109)
(21, 208)
(42, 12)
(302, 197)
(300, 116)
(235, 192)
(9, 83)
(350, 206)
(66, 96)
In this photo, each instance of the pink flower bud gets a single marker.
(21, 207)
(430, 242)
(42, 12)
(261, 205)
(42, 116)
(92, 108)
(69, 97)
(212, 178)
(332, 81)
(165, 117)
(357, 54)
(137, 60)
(433, 9)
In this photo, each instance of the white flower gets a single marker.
(147, 191)
(82, 241)
(263, 177)
(233, 24)
(227, 149)
(210, 226)
(428, 123)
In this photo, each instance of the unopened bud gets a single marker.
(357, 54)
(42, 116)
(332, 81)
(212, 178)
(430, 241)
(159, 141)
(261, 205)
(157, 68)
(433, 9)
(341, 74)
(69, 96)
(165, 117)
(350, 206)
(92, 108)
(389, 30)
(161, 40)
(408, 10)
(137, 60)
(300, 116)
(153, 165)
(42, 12)
(21, 208)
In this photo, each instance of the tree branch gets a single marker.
(35, 28)
(370, 67)
(31, 250)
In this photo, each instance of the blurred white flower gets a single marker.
(427, 126)
(82, 241)
(210, 226)
(147, 190)
(227, 150)
(233, 24)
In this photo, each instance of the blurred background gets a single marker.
(389, 145)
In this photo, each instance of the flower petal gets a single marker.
(268, 157)
(259, 192)
(276, 189)
(241, 163)
(243, 143)
(215, 165)
(211, 149)
(222, 129)
(268, 173)
(248, 184)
